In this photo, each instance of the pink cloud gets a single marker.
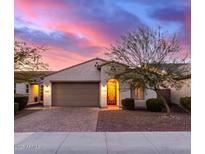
(90, 32)
(30, 8)
(85, 28)
(58, 61)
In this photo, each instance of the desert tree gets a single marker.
(152, 58)
(28, 59)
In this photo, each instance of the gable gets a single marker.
(86, 71)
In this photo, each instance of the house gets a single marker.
(185, 90)
(87, 84)
(29, 83)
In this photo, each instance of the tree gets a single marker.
(152, 58)
(28, 59)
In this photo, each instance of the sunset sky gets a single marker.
(78, 30)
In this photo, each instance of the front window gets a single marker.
(139, 93)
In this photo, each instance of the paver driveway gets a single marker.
(58, 119)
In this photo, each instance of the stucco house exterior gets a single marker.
(89, 84)
(185, 90)
(32, 88)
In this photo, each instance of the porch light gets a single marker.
(164, 72)
(46, 84)
(104, 87)
(47, 89)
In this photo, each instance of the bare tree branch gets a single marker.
(152, 57)
(28, 58)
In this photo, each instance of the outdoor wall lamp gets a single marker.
(46, 84)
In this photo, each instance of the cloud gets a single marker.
(181, 16)
(86, 27)
(34, 8)
(56, 39)
(58, 58)
(100, 21)
(155, 3)
(168, 14)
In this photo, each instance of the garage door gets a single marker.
(75, 94)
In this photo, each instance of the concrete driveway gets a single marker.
(58, 119)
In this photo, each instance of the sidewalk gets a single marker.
(103, 143)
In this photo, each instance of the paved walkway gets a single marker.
(103, 143)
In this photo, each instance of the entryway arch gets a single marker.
(112, 92)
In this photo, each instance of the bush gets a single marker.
(155, 105)
(22, 100)
(186, 102)
(128, 104)
(16, 107)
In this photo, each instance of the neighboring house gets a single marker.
(87, 84)
(29, 83)
(185, 90)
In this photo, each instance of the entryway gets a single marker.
(112, 92)
(35, 91)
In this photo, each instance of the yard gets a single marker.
(141, 120)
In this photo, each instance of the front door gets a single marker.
(111, 92)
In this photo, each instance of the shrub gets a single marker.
(22, 101)
(16, 107)
(128, 104)
(155, 105)
(186, 102)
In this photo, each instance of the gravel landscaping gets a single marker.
(141, 120)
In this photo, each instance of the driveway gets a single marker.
(57, 119)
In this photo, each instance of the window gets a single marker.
(14, 88)
(41, 93)
(139, 93)
(27, 88)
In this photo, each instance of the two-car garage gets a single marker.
(75, 94)
(76, 86)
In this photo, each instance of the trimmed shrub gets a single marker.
(16, 107)
(22, 100)
(186, 102)
(128, 104)
(155, 105)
